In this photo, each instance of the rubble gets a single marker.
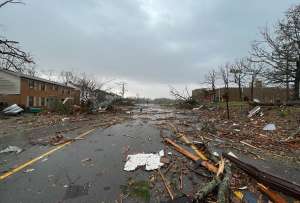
(269, 127)
(254, 111)
(9, 149)
(12, 110)
(151, 161)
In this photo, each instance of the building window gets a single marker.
(69, 91)
(56, 87)
(30, 101)
(43, 86)
(43, 101)
(31, 84)
(63, 90)
(36, 85)
(37, 101)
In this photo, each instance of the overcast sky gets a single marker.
(150, 44)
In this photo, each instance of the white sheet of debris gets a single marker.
(13, 109)
(270, 127)
(11, 149)
(151, 161)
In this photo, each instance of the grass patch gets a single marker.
(137, 189)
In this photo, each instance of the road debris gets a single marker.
(10, 149)
(151, 161)
(269, 127)
(12, 110)
(167, 185)
(29, 170)
(254, 111)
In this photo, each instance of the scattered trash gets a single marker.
(232, 154)
(167, 185)
(86, 160)
(256, 100)
(152, 161)
(243, 188)
(12, 110)
(216, 154)
(29, 170)
(270, 127)
(65, 119)
(198, 108)
(45, 159)
(9, 149)
(59, 139)
(254, 111)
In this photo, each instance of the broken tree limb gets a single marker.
(273, 181)
(208, 188)
(193, 157)
(223, 192)
(272, 195)
(197, 151)
(166, 184)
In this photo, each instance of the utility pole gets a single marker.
(123, 88)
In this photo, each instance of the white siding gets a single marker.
(9, 84)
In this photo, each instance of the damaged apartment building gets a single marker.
(29, 91)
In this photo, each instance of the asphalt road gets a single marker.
(89, 170)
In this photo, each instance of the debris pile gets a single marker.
(206, 165)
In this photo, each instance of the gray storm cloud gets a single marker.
(152, 41)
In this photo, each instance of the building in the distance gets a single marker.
(29, 91)
(260, 92)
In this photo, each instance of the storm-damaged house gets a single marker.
(30, 91)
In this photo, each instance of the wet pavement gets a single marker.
(89, 170)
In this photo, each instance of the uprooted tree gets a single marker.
(182, 97)
(12, 57)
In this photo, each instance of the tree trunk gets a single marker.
(297, 80)
(227, 102)
(287, 91)
(252, 90)
(240, 90)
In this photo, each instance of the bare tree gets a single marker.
(181, 96)
(225, 74)
(239, 75)
(289, 33)
(68, 77)
(3, 3)
(11, 56)
(210, 79)
(277, 55)
(252, 69)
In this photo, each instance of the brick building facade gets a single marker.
(28, 91)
